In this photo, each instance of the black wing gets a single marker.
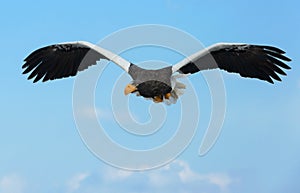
(254, 61)
(64, 60)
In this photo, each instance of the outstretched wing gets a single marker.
(66, 59)
(254, 61)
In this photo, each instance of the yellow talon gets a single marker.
(167, 96)
(157, 99)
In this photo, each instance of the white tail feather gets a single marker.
(177, 89)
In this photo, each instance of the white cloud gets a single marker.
(116, 174)
(74, 183)
(157, 179)
(219, 179)
(186, 174)
(12, 184)
(177, 177)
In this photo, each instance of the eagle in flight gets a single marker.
(67, 59)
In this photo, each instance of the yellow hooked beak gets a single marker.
(129, 89)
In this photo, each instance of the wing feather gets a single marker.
(254, 61)
(66, 59)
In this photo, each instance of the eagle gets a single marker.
(67, 59)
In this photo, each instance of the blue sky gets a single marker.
(41, 150)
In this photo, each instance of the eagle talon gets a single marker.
(157, 99)
(167, 96)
